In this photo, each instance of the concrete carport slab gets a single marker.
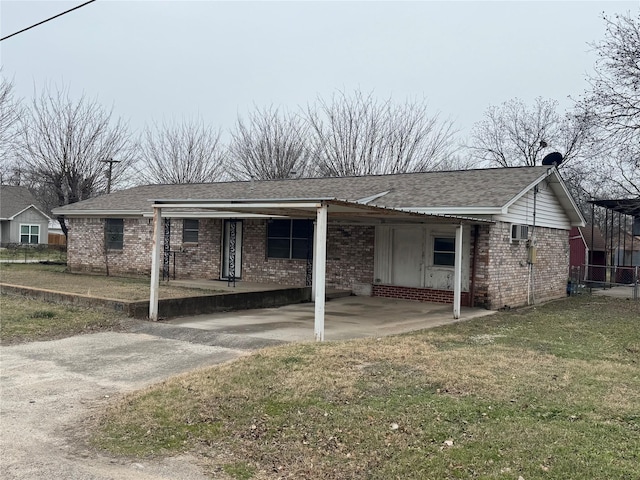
(346, 318)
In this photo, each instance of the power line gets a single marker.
(48, 19)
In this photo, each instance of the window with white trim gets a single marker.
(444, 251)
(29, 234)
(289, 238)
(114, 233)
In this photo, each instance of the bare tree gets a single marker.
(513, 134)
(622, 169)
(615, 86)
(460, 160)
(358, 135)
(270, 145)
(185, 152)
(613, 100)
(10, 111)
(63, 144)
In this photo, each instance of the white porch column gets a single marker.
(156, 243)
(314, 269)
(457, 281)
(320, 267)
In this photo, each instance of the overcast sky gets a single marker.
(155, 60)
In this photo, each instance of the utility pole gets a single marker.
(111, 161)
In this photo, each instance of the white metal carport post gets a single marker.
(319, 264)
(457, 280)
(155, 262)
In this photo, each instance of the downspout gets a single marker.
(472, 287)
(532, 246)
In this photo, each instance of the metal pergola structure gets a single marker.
(623, 230)
(319, 209)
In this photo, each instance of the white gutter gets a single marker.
(454, 211)
(99, 213)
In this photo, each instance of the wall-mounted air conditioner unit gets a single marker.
(519, 232)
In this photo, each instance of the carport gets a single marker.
(318, 209)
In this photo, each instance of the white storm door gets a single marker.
(407, 256)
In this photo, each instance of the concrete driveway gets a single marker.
(345, 318)
(51, 390)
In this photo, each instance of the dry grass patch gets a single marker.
(25, 320)
(57, 278)
(542, 399)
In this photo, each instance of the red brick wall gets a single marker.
(85, 247)
(481, 286)
(419, 294)
(194, 260)
(502, 271)
(197, 260)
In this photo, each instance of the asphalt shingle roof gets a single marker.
(464, 188)
(14, 199)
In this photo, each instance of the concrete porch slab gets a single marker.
(345, 318)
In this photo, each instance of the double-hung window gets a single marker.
(30, 234)
(190, 228)
(444, 251)
(289, 238)
(114, 233)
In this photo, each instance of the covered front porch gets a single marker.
(323, 212)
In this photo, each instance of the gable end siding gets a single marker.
(549, 211)
(31, 217)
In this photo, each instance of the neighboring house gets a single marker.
(388, 235)
(21, 220)
(588, 247)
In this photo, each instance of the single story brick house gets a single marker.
(502, 234)
(21, 219)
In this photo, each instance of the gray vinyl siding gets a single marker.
(29, 217)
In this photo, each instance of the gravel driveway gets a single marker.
(50, 390)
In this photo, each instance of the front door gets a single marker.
(232, 250)
(407, 256)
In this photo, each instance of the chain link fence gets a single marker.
(585, 278)
(24, 253)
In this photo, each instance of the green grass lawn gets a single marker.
(26, 320)
(551, 392)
